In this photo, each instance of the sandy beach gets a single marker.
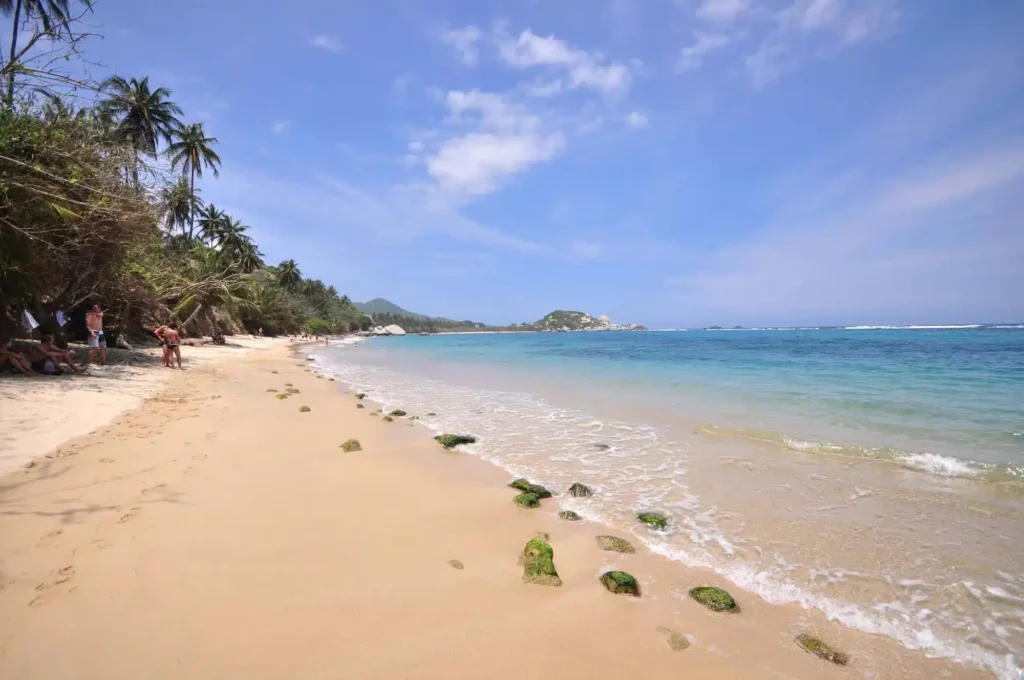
(193, 525)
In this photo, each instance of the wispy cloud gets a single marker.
(586, 250)
(636, 119)
(583, 69)
(466, 42)
(722, 11)
(692, 57)
(326, 42)
(806, 28)
(281, 127)
(941, 237)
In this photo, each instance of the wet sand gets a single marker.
(219, 532)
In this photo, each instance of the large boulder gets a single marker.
(621, 582)
(394, 329)
(526, 487)
(569, 515)
(538, 563)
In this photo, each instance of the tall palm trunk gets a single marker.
(192, 204)
(14, 53)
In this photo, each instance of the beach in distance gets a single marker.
(224, 525)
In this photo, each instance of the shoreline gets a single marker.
(138, 550)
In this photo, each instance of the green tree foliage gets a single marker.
(84, 219)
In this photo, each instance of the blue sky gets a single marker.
(670, 162)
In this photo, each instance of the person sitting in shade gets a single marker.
(57, 353)
(16, 360)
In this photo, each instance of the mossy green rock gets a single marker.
(538, 563)
(271, 390)
(292, 390)
(282, 396)
(714, 599)
(526, 487)
(821, 650)
(360, 395)
(526, 500)
(397, 413)
(620, 582)
(304, 409)
(351, 445)
(569, 515)
(360, 406)
(578, 490)
(450, 441)
(414, 417)
(388, 419)
(676, 641)
(653, 519)
(615, 544)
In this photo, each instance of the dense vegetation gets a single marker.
(90, 213)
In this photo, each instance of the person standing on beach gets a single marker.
(97, 340)
(159, 333)
(172, 339)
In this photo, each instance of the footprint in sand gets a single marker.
(106, 460)
(158, 487)
(130, 515)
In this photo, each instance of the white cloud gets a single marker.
(465, 41)
(722, 11)
(636, 119)
(416, 146)
(281, 127)
(505, 139)
(583, 69)
(475, 163)
(327, 42)
(692, 57)
(544, 90)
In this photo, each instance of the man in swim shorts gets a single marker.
(97, 340)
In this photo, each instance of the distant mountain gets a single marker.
(382, 306)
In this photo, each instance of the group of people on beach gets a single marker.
(49, 355)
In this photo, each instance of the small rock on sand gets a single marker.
(456, 564)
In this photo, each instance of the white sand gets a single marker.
(38, 414)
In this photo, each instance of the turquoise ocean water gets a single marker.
(900, 449)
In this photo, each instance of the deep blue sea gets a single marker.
(750, 439)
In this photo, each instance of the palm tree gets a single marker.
(193, 150)
(211, 223)
(289, 275)
(52, 14)
(238, 248)
(144, 116)
(177, 203)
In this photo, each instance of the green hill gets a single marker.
(382, 306)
